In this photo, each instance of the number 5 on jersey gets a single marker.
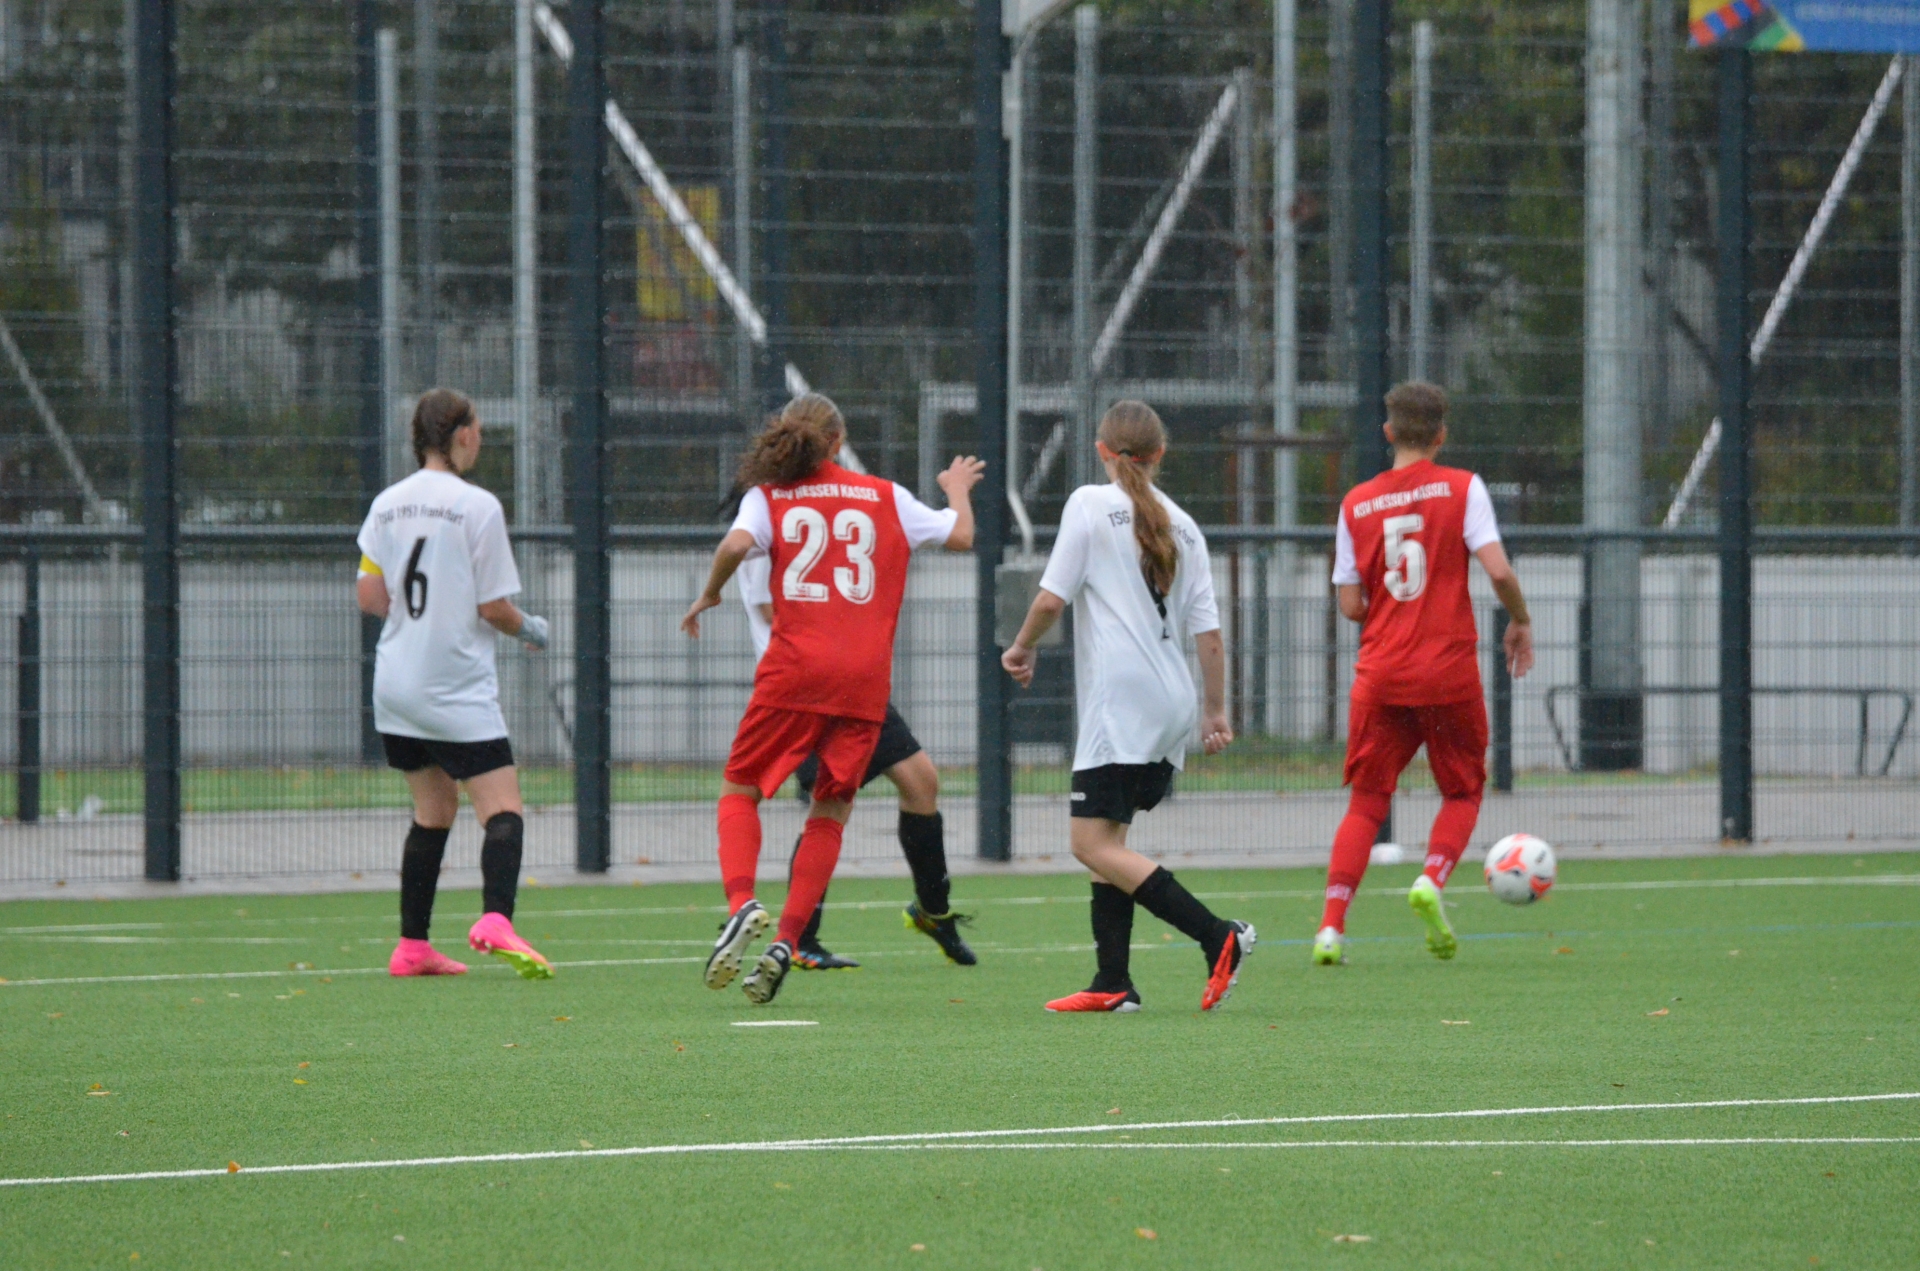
(1406, 557)
(808, 527)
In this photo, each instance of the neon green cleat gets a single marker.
(1424, 899)
(1329, 948)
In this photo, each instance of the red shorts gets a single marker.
(773, 741)
(1381, 741)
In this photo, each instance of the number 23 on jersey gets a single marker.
(808, 527)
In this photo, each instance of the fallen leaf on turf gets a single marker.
(585, 1144)
(95, 1086)
(956, 1000)
(785, 1187)
(678, 1046)
(400, 1240)
(1456, 1021)
(302, 1064)
(233, 1167)
(99, 1093)
(233, 995)
(300, 966)
(1146, 1233)
(563, 1019)
(916, 1248)
(508, 1045)
(1649, 1243)
(1113, 1112)
(56, 1015)
(1733, 953)
(1657, 1014)
(1565, 948)
(1352, 1240)
(123, 1134)
(1499, 1173)
(1618, 1085)
(326, 979)
(299, 1081)
(1166, 935)
(199, 1001)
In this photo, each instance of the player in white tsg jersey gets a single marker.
(902, 760)
(436, 564)
(1134, 567)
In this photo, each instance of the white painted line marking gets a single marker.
(776, 1023)
(974, 1139)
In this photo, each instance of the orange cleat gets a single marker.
(1089, 1000)
(1226, 967)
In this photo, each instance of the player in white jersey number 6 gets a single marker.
(436, 564)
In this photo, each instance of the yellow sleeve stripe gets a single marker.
(368, 567)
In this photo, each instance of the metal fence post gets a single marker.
(1502, 706)
(993, 757)
(26, 787)
(153, 420)
(1372, 20)
(1736, 460)
(592, 582)
(373, 408)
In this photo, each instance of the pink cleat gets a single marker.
(417, 957)
(494, 934)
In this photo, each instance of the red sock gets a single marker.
(1451, 830)
(1352, 846)
(739, 847)
(813, 863)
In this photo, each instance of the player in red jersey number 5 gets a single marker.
(1400, 563)
(839, 544)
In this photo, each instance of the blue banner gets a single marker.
(1814, 26)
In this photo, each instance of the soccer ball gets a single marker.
(1520, 869)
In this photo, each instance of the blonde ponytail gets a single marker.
(796, 442)
(1133, 431)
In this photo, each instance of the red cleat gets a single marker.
(1088, 1000)
(1226, 967)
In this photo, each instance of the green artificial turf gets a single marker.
(1767, 992)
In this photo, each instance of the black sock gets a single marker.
(1167, 900)
(419, 879)
(924, 840)
(1112, 911)
(810, 936)
(500, 863)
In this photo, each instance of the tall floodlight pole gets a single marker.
(373, 415)
(1611, 711)
(1734, 230)
(1420, 255)
(993, 753)
(592, 581)
(154, 377)
(387, 107)
(1371, 53)
(741, 66)
(774, 245)
(1086, 175)
(1286, 331)
(528, 450)
(426, 123)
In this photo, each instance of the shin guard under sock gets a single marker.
(813, 863)
(1163, 897)
(1451, 830)
(1352, 849)
(811, 936)
(420, 879)
(739, 847)
(923, 839)
(1112, 913)
(500, 863)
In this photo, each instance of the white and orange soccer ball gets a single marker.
(1520, 869)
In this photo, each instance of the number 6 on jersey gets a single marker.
(1406, 557)
(808, 527)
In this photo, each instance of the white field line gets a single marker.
(976, 1139)
(850, 906)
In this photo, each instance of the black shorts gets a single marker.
(1115, 791)
(461, 760)
(897, 742)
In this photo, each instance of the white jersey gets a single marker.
(923, 526)
(1133, 693)
(441, 545)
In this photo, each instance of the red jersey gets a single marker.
(1405, 537)
(839, 573)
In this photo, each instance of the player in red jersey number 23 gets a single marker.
(839, 544)
(1400, 563)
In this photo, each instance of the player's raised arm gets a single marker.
(726, 558)
(1506, 585)
(957, 483)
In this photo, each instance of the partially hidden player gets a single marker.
(900, 758)
(1400, 564)
(1134, 566)
(839, 545)
(435, 563)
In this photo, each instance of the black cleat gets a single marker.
(817, 957)
(943, 930)
(763, 983)
(736, 933)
